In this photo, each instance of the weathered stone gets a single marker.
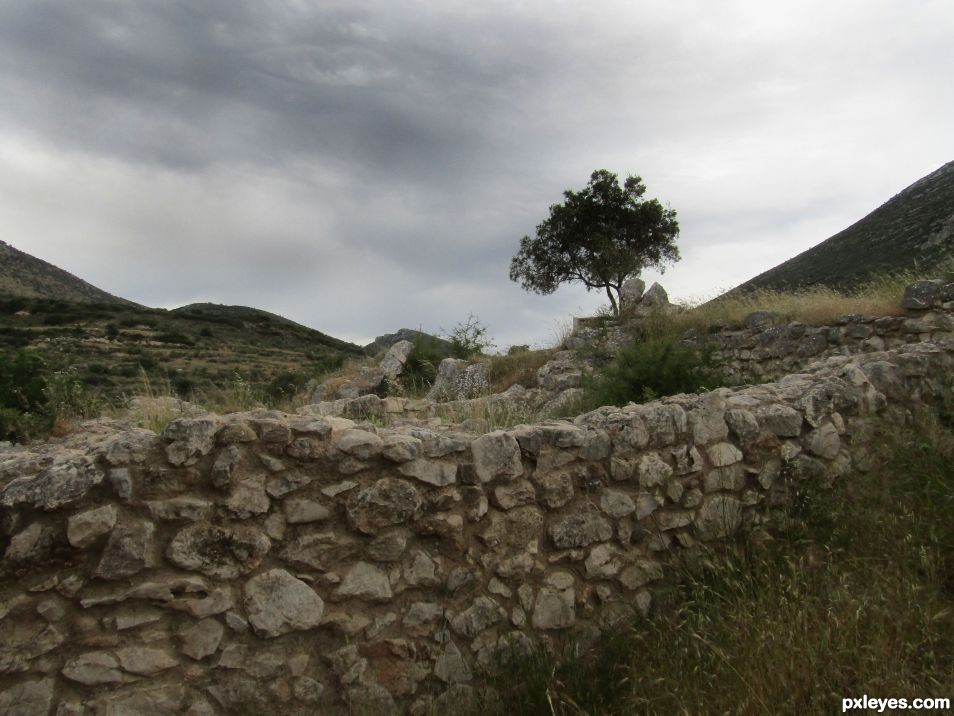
(579, 530)
(191, 509)
(360, 444)
(725, 478)
(556, 489)
(450, 666)
(202, 639)
(421, 618)
(824, 442)
(422, 572)
(632, 291)
(435, 473)
(128, 551)
(189, 439)
(387, 547)
(301, 511)
(723, 454)
(919, 296)
(483, 613)
(31, 544)
(652, 470)
(515, 494)
(645, 505)
(132, 616)
(278, 603)
(400, 448)
(59, 485)
(86, 527)
(513, 529)
(555, 605)
(719, 516)
(94, 668)
(248, 497)
(145, 661)
(616, 504)
(221, 552)
(672, 519)
(640, 573)
(385, 503)
(602, 562)
(225, 463)
(28, 698)
(780, 420)
(164, 699)
(364, 581)
(496, 455)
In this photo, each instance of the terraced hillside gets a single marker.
(195, 350)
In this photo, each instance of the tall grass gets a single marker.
(855, 598)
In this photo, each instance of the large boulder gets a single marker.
(459, 380)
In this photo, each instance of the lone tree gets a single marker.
(599, 236)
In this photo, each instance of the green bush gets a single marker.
(469, 338)
(649, 370)
(420, 368)
(23, 397)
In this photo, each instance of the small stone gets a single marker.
(94, 668)
(388, 547)
(824, 442)
(422, 572)
(496, 455)
(652, 470)
(300, 511)
(278, 603)
(514, 494)
(51, 610)
(616, 504)
(401, 448)
(145, 661)
(640, 573)
(304, 688)
(360, 444)
(85, 528)
(128, 551)
(190, 509)
(365, 581)
(483, 613)
(450, 666)
(27, 698)
(385, 503)
(202, 639)
(724, 454)
(555, 606)
(719, 516)
(31, 544)
(189, 439)
(579, 530)
(432, 472)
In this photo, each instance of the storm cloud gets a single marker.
(363, 166)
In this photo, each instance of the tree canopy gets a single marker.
(599, 237)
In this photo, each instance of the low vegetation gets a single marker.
(854, 597)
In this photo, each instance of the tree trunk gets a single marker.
(613, 303)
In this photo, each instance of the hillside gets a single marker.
(915, 228)
(113, 346)
(24, 275)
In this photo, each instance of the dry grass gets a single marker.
(881, 296)
(519, 368)
(855, 597)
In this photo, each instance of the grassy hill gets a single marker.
(912, 230)
(195, 351)
(118, 348)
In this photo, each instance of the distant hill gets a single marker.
(382, 343)
(24, 275)
(914, 228)
(199, 351)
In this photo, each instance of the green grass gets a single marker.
(854, 597)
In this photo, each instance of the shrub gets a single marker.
(23, 398)
(420, 368)
(649, 370)
(469, 338)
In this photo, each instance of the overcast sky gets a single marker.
(361, 166)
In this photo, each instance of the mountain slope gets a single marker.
(24, 275)
(914, 228)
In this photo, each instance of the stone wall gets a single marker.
(261, 560)
(764, 350)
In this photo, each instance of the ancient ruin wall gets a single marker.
(257, 561)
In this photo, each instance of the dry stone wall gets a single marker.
(248, 562)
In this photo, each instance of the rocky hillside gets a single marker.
(25, 275)
(914, 228)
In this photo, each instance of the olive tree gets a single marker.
(599, 237)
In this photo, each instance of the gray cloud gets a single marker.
(361, 166)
